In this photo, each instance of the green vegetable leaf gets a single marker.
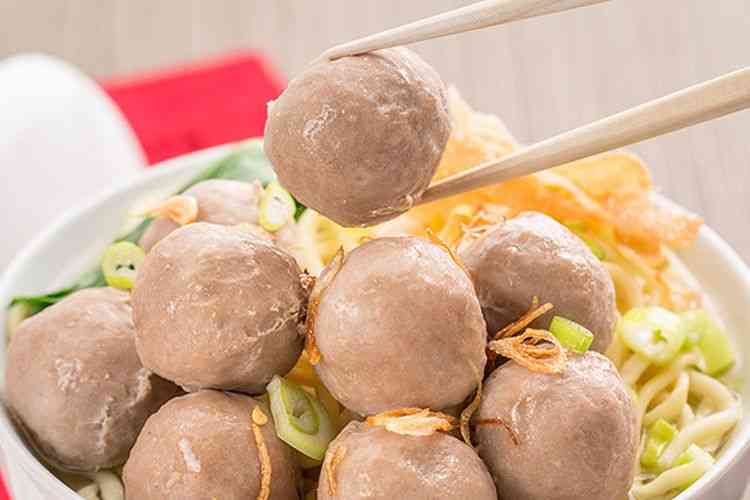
(135, 235)
(247, 163)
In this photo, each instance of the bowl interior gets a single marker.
(72, 244)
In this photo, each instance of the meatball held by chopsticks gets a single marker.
(370, 462)
(396, 323)
(211, 444)
(215, 307)
(358, 139)
(534, 257)
(75, 383)
(559, 436)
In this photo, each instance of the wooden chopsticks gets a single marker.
(472, 17)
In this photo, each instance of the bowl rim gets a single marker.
(14, 447)
(740, 435)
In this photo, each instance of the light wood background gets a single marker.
(541, 76)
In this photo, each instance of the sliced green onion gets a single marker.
(663, 430)
(693, 324)
(120, 264)
(598, 250)
(570, 334)
(16, 314)
(299, 408)
(659, 436)
(653, 332)
(277, 207)
(579, 228)
(301, 420)
(694, 452)
(686, 470)
(713, 344)
(699, 459)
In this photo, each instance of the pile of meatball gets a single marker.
(167, 379)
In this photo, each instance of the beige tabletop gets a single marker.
(541, 76)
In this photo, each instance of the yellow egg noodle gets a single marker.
(106, 486)
(609, 202)
(101, 485)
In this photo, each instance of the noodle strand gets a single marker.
(700, 431)
(671, 407)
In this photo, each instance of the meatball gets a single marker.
(224, 202)
(366, 462)
(532, 256)
(215, 307)
(399, 325)
(75, 383)
(359, 138)
(576, 433)
(203, 446)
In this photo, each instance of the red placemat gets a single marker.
(198, 105)
(3, 491)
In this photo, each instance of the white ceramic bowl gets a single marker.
(72, 243)
(50, 157)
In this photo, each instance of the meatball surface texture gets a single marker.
(358, 139)
(375, 464)
(215, 307)
(531, 256)
(203, 446)
(75, 383)
(577, 433)
(399, 326)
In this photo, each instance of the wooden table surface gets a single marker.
(541, 76)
